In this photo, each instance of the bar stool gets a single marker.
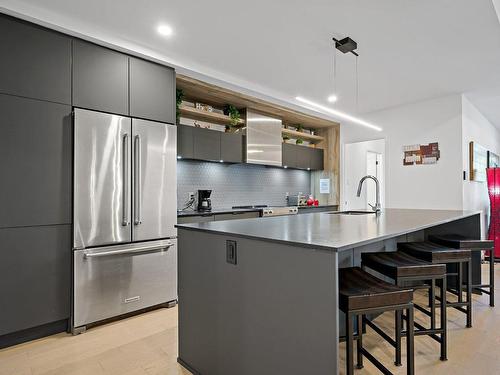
(403, 268)
(439, 254)
(361, 293)
(458, 241)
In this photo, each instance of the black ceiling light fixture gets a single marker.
(346, 45)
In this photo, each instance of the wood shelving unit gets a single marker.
(199, 114)
(305, 136)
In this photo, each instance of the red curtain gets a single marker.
(493, 175)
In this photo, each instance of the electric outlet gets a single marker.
(231, 252)
(190, 195)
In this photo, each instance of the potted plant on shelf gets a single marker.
(299, 127)
(234, 116)
(299, 141)
(286, 138)
(179, 95)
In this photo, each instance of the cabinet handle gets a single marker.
(138, 177)
(125, 183)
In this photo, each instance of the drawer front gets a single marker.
(194, 219)
(236, 216)
(120, 279)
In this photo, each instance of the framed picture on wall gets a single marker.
(493, 160)
(478, 162)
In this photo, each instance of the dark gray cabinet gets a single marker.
(35, 162)
(35, 63)
(100, 78)
(185, 142)
(195, 219)
(35, 264)
(206, 144)
(231, 147)
(302, 157)
(152, 91)
(316, 159)
(289, 155)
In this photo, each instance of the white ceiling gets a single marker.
(409, 50)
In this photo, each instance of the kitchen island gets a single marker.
(259, 296)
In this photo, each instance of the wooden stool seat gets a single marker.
(457, 241)
(360, 290)
(398, 264)
(434, 253)
(361, 293)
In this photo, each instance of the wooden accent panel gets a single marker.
(196, 90)
(331, 146)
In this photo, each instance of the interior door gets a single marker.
(101, 179)
(155, 180)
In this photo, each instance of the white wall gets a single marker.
(475, 127)
(354, 165)
(436, 186)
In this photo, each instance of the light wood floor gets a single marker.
(147, 345)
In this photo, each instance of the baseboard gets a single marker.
(34, 333)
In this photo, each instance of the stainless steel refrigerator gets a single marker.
(125, 194)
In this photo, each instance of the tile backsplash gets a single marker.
(239, 184)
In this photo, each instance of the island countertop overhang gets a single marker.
(332, 232)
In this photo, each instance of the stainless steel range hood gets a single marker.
(263, 137)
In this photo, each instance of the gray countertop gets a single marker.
(332, 232)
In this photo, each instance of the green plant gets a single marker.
(299, 127)
(285, 137)
(233, 113)
(179, 95)
(299, 141)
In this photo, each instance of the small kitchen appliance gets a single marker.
(204, 202)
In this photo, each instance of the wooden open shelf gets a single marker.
(199, 114)
(305, 136)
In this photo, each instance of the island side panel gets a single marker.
(274, 312)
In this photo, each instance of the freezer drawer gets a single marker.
(114, 280)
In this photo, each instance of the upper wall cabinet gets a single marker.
(35, 62)
(152, 91)
(100, 78)
(35, 162)
(302, 157)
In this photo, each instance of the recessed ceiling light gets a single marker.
(165, 30)
(342, 115)
(332, 98)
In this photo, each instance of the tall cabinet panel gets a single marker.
(35, 62)
(100, 78)
(152, 91)
(35, 264)
(35, 162)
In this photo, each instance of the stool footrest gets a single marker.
(384, 370)
(384, 335)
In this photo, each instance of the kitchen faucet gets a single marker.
(377, 208)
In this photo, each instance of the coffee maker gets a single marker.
(204, 202)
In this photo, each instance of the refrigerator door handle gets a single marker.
(142, 249)
(125, 183)
(137, 180)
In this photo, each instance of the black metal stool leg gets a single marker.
(432, 296)
(460, 282)
(359, 343)
(492, 278)
(398, 328)
(410, 354)
(444, 335)
(469, 294)
(349, 358)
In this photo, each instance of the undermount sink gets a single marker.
(351, 213)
